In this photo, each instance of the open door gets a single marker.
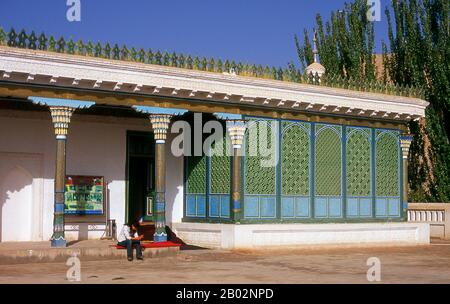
(140, 177)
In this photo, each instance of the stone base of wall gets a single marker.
(435, 214)
(229, 236)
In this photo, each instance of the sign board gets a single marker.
(84, 195)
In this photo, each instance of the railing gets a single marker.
(436, 214)
(115, 52)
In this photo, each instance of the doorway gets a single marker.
(140, 176)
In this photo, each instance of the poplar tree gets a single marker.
(418, 55)
(345, 43)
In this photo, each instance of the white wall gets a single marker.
(95, 146)
(174, 185)
(246, 236)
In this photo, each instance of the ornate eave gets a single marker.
(30, 67)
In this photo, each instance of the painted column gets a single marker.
(405, 143)
(160, 125)
(61, 119)
(236, 131)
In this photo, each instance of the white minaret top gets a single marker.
(315, 51)
(315, 67)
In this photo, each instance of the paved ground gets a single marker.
(425, 264)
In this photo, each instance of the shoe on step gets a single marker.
(130, 258)
(140, 258)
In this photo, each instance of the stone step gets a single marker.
(44, 254)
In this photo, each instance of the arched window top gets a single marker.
(333, 128)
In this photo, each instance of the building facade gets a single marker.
(85, 140)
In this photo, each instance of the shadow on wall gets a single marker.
(16, 202)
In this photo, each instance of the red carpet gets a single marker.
(153, 245)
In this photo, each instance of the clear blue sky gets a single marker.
(255, 31)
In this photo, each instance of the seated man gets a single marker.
(128, 237)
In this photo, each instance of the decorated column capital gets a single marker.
(160, 124)
(61, 116)
(405, 143)
(236, 130)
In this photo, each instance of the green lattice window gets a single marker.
(260, 164)
(358, 162)
(295, 159)
(387, 163)
(328, 160)
(221, 168)
(196, 175)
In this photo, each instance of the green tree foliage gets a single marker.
(345, 43)
(419, 55)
